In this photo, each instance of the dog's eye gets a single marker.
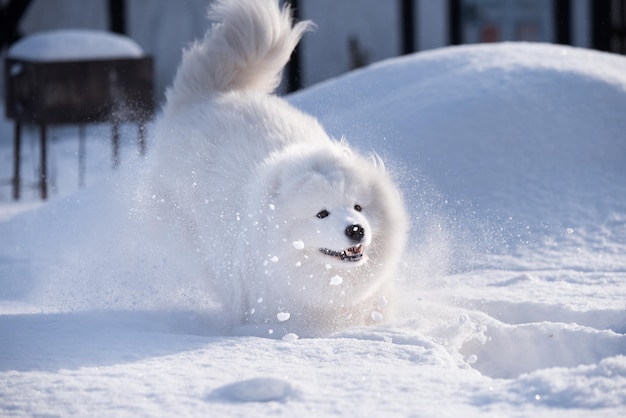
(322, 214)
(358, 208)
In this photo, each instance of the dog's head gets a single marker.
(329, 234)
(333, 208)
(332, 216)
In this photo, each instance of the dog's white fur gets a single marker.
(244, 175)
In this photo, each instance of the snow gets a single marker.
(511, 296)
(259, 389)
(74, 44)
(376, 316)
(336, 280)
(283, 316)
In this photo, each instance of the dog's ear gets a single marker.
(275, 175)
(282, 173)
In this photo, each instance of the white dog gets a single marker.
(294, 230)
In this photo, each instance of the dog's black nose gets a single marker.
(355, 232)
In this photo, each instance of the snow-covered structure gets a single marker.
(75, 76)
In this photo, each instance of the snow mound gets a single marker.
(522, 130)
(74, 44)
(512, 162)
(509, 351)
(260, 389)
(591, 386)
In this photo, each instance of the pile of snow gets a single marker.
(511, 158)
(74, 44)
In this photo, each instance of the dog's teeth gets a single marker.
(354, 250)
(351, 254)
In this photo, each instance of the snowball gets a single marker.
(290, 337)
(336, 280)
(272, 207)
(260, 389)
(259, 300)
(376, 316)
(298, 245)
(298, 263)
(283, 316)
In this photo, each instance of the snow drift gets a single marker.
(511, 158)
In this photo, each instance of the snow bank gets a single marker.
(74, 44)
(511, 157)
(518, 142)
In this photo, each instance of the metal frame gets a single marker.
(76, 92)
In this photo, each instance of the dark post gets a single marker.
(115, 131)
(117, 16)
(43, 175)
(454, 22)
(562, 21)
(293, 67)
(10, 16)
(407, 18)
(16, 160)
(601, 24)
(609, 25)
(141, 140)
(81, 155)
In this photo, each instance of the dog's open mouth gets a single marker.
(350, 254)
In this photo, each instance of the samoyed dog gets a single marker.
(294, 231)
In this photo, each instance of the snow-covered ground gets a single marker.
(512, 158)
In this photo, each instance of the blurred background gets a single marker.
(350, 33)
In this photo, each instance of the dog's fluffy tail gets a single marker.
(245, 49)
